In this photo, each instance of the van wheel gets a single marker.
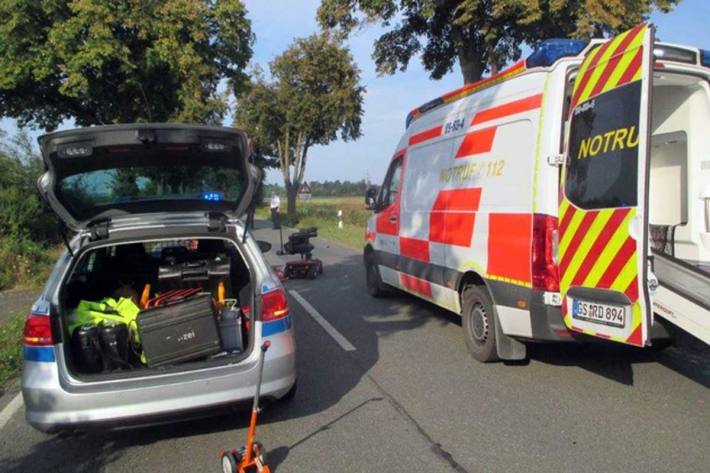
(375, 286)
(479, 324)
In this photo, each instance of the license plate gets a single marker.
(612, 315)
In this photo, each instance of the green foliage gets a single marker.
(11, 348)
(482, 35)
(27, 228)
(326, 189)
(313, 97)
(108, 62)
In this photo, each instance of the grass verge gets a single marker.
(323, 213)
(11, 348)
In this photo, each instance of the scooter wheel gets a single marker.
(229, 463)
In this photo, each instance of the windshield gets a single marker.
(87, 194)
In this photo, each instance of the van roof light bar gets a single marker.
(705, 57)
(551, 50)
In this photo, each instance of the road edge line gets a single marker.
(10, 409)
(315, 315)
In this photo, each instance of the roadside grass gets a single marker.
(11, 348)
(322, 212)
(25, 264)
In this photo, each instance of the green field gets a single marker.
(322, 212)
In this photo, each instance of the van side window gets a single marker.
(390, 187)
(603, 153)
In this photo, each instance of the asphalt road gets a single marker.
(410, 399)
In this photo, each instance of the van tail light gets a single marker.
(545, 272)
(38, 331)
(274, 305)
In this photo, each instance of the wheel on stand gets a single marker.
(229, 462)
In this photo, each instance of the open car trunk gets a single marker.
(192, 296)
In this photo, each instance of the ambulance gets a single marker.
(565, 198)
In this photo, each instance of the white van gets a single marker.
(567, 196)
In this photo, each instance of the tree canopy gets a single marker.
(481, 35)
(313, 97)
(106, 62)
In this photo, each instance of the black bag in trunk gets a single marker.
(179, 332)
(203, 273)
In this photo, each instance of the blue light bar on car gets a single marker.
(551, 50)
(212, 196)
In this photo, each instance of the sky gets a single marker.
(388, 99)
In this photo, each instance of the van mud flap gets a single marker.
(508, 348)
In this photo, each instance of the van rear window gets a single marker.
(87, 194)
(602, 167)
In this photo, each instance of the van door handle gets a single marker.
(393, 219)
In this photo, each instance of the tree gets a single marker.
(313, 97)
(482, 35)
(106, 62)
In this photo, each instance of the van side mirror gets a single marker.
(371, 198)
(264, 246)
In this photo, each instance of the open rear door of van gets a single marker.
(603, 216)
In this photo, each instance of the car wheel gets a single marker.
(375, 286)
(478, 322)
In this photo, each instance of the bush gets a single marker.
(27, 227)
(24, 262)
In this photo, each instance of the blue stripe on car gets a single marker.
(38, 353)
(275, 326)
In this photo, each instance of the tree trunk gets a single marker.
(471, 65)
(470, 54)
(291, 195)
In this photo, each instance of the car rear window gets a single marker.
(602, 168)
(87, 194)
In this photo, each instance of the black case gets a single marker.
(179, 332)
(203, 273)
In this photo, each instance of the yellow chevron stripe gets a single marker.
(626, 275)
(638, 75)
(571, 230)
(624, 62)
(583, 68)
(564, 206)
(599, 68)
(585, 245)
(609, 252)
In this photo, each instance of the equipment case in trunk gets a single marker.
(179, 332)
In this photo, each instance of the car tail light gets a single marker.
(38, 331)
(545, 273)
(274, 305)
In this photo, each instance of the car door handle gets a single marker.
(393, 219)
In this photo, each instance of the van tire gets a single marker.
(375, 286)
(478, 323)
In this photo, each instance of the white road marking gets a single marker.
(10, 410)
(337, 336)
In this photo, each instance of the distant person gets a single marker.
(275, 204)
